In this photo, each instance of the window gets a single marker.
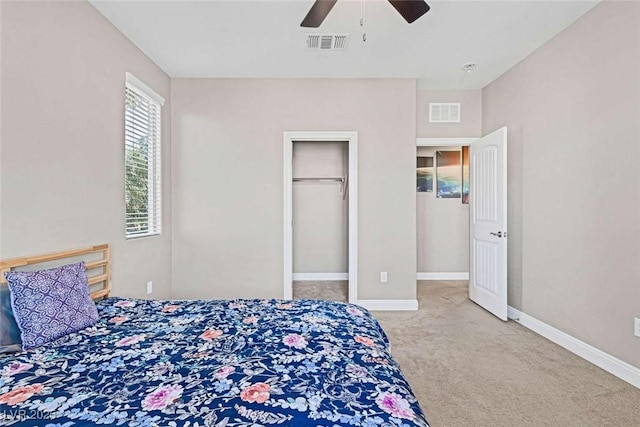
(142, 139)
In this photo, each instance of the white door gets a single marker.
(488, 216)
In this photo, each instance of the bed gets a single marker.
(211, 363)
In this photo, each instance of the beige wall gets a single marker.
(228, 180)
(470, 114)
(320, 214)
(442, 224)
(443, 229)
(62, 166)
(1, 64)
(572, 109)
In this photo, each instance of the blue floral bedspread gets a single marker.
(213, 363)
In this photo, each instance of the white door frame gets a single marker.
(321, 136)
(445, 142)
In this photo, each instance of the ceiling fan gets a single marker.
(409, 9)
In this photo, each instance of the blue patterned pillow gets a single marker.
(49, 304)
(9, 332)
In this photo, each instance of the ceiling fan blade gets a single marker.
(317, 13)
(410, 9)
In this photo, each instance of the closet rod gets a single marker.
(344, 183)
(320, 179)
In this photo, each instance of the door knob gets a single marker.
(498, 234)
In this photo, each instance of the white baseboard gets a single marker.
(609, 363)
(443, 276)
(305, 277)
(389, 304)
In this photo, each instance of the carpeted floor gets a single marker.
(469, 368)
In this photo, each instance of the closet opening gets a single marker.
(442, 209)
(321, 220)
(320, 214)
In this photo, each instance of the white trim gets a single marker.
(139, 86)
(288, 217)
(389, 304)
(352, 138)
(444, 276)
(444, 142)
(303, 277)
(609, 363)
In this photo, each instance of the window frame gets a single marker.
(142, 92)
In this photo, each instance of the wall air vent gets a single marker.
(317, 41)
(444, 112)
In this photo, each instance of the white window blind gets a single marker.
(142, 138)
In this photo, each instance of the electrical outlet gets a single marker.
(149, 288)
(637, 327)
(383, 277)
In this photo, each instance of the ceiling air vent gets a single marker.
(444, 112)
(317, 41)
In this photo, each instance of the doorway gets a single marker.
(442, 219)
(345, 184)
(487, 235)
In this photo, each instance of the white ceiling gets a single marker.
(263, 38)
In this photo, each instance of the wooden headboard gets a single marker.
(98, 270)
